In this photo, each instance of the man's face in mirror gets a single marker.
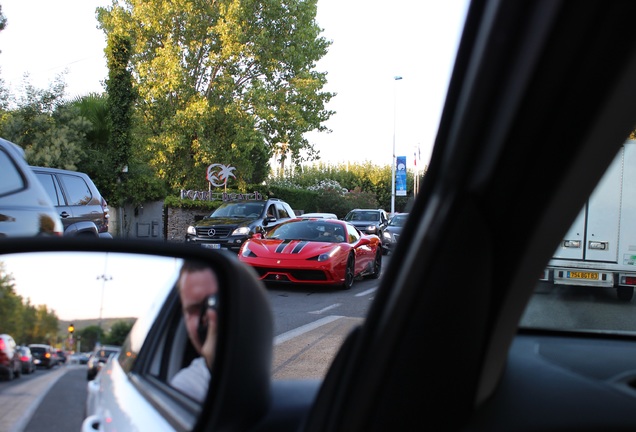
(196, 284)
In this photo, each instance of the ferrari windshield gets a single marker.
(309, 230)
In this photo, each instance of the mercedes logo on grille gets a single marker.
(211, 232)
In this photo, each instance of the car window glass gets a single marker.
(51, 188)
(12, 180)
(78, 192)
(354, 235)
(271, 211)
(223, 210)
(590, 279)
(282, 212)
(398, 221)
(254, 210)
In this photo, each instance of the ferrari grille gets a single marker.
(279, 275)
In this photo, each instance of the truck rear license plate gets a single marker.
(583, 275)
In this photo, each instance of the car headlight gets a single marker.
(372, 228)
(386, 235)
(241, 231)
(191, 230)
(328, 255)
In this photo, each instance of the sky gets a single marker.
(372, 42)
(85, 286)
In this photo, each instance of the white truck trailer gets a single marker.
(600, 247)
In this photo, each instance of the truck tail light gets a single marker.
(628, 280)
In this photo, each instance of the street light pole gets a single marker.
(104, 277)
(396, 79)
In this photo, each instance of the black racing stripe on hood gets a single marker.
(299, 247)
(282, 246)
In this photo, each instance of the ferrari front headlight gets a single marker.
(326, 256)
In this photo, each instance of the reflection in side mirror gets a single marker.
(161, 287)
(97, 291)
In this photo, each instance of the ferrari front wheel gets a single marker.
(349, 273)
(377, 265)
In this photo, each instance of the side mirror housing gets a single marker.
(239, 391)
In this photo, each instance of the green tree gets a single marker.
(3, 20)
(369, 186)
(25, 322)
(118, 333)
(223, 82)
(89, 336)
(120, 103)
(50, 131)
(97, 156)
(10, 304)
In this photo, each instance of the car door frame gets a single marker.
(435, 342)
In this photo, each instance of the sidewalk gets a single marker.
(19, 402)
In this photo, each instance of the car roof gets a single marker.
(15, 149)
(58, 170)
(319, 215)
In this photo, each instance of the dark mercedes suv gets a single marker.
(233, 222)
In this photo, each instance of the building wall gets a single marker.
(152, 222)
(177, 221)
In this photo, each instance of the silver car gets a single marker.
(25, 208)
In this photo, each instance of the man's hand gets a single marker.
(208, 350)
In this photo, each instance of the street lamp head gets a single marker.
(397, 77)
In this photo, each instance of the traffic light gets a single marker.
(71, 329)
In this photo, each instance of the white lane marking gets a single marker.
(369, 291)
(304, 329)
(318, 312)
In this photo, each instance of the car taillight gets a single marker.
(24, 358)
(2, 345)
(47, 355)
(106, 211)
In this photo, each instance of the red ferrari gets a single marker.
(314, 251)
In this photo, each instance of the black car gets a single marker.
(82, 208)
(392, 233)
(26, 359)
(44, 355)
(25, 208)
(61, 356)
(368, 221)
(233, 222)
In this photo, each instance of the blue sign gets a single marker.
(400, 176)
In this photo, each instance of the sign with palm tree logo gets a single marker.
(218, 174)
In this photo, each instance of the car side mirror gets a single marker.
(80, 279)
